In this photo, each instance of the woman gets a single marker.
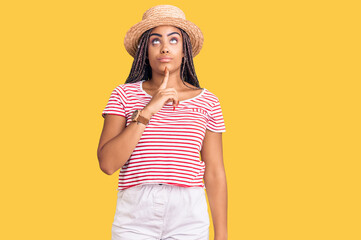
(156, 125)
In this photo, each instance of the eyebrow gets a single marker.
(157, 34)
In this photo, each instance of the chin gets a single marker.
(160, 67)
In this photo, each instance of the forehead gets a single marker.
(165, 29)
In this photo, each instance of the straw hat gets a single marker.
(163, 15)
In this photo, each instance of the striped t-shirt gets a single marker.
(168, 151)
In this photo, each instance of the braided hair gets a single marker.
(141, 69)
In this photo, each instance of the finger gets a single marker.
(168, 94)
(170, 97)
(165, 80)
(172, 91)
(176, 101)
(168, 90)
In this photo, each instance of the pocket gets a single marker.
(124, 196)
(131, 194)
(204, 201)
(125, 209)
(205, 207)
(120, 194)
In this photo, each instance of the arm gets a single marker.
(215, 182)
(117, 142)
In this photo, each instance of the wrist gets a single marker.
(221, 236)
(146, 113)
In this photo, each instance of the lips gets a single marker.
(165, 59)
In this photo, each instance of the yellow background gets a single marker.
(287, 74)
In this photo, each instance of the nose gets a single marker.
(164, 49)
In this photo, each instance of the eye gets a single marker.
(154, 39)
(174, 39)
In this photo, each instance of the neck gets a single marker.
(174, 80)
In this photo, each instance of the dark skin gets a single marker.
(117, 142)
(167, 41)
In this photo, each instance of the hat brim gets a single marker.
(135, 32)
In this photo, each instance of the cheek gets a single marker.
(150, 53)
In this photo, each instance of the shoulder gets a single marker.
(210, 96)
(127, 88)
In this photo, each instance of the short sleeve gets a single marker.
(216, 121)
(116, 104)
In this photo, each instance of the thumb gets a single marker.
(165, 80)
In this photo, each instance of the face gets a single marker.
(165, 42)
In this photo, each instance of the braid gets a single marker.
(141, 69)
(188, 73)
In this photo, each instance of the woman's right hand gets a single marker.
(162, 96)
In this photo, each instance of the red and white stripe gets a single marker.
(168, 151)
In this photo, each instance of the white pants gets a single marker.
(161, 212)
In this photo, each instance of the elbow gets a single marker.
(105, 168)
(107, 171)
(108, 164)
